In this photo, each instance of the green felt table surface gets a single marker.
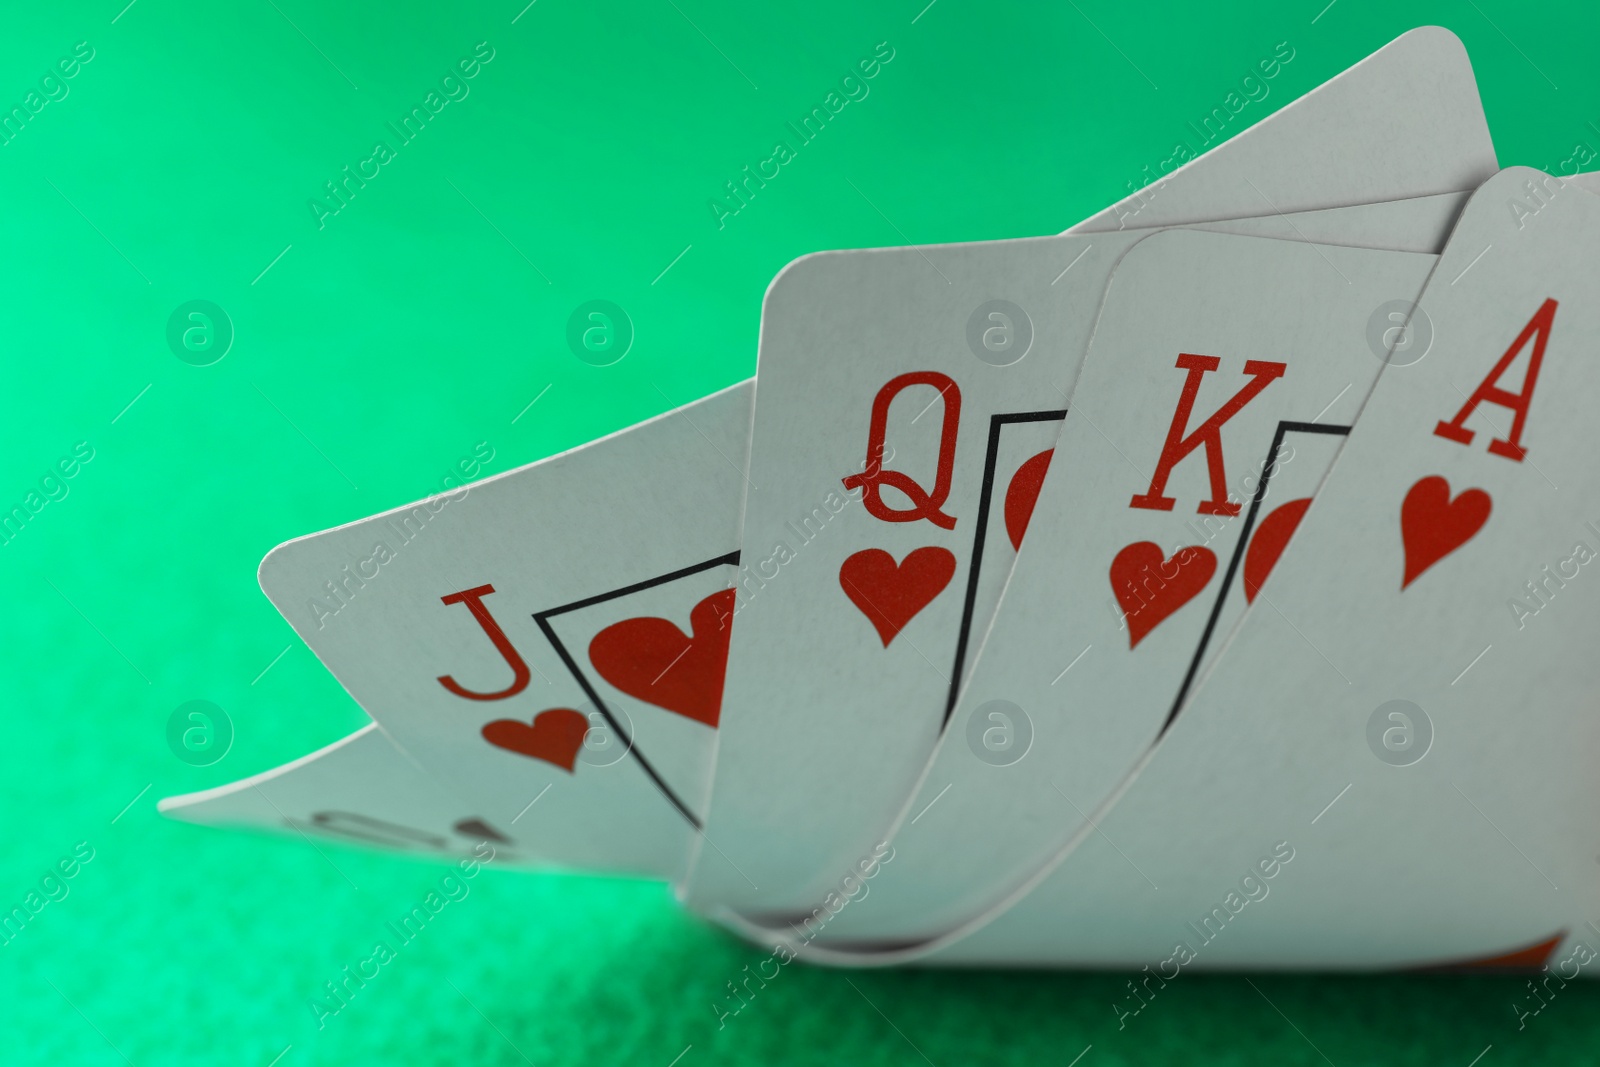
(374, 346)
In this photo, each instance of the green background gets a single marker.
(423, 319)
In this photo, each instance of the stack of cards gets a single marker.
(1202, 586)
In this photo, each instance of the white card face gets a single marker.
(554, 635)
(846, 690)
(1588, 181)
(1416, 95)
(360, 790)
(1414, 712)
(1223, 372)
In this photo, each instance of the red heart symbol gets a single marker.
(555, 736)
(1270, 539)
(1023, 493)
(653, 660)
(1433, 526)
(1147, 593)
(890, 594)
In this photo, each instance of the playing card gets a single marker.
(359, 790)
(1412, 711)
(910, 382)
(1417, 96)
(1223, 374)
(554, 636)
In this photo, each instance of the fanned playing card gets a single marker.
(359, 790)
(1416, 97)
(1223, 372)
(550, 638)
